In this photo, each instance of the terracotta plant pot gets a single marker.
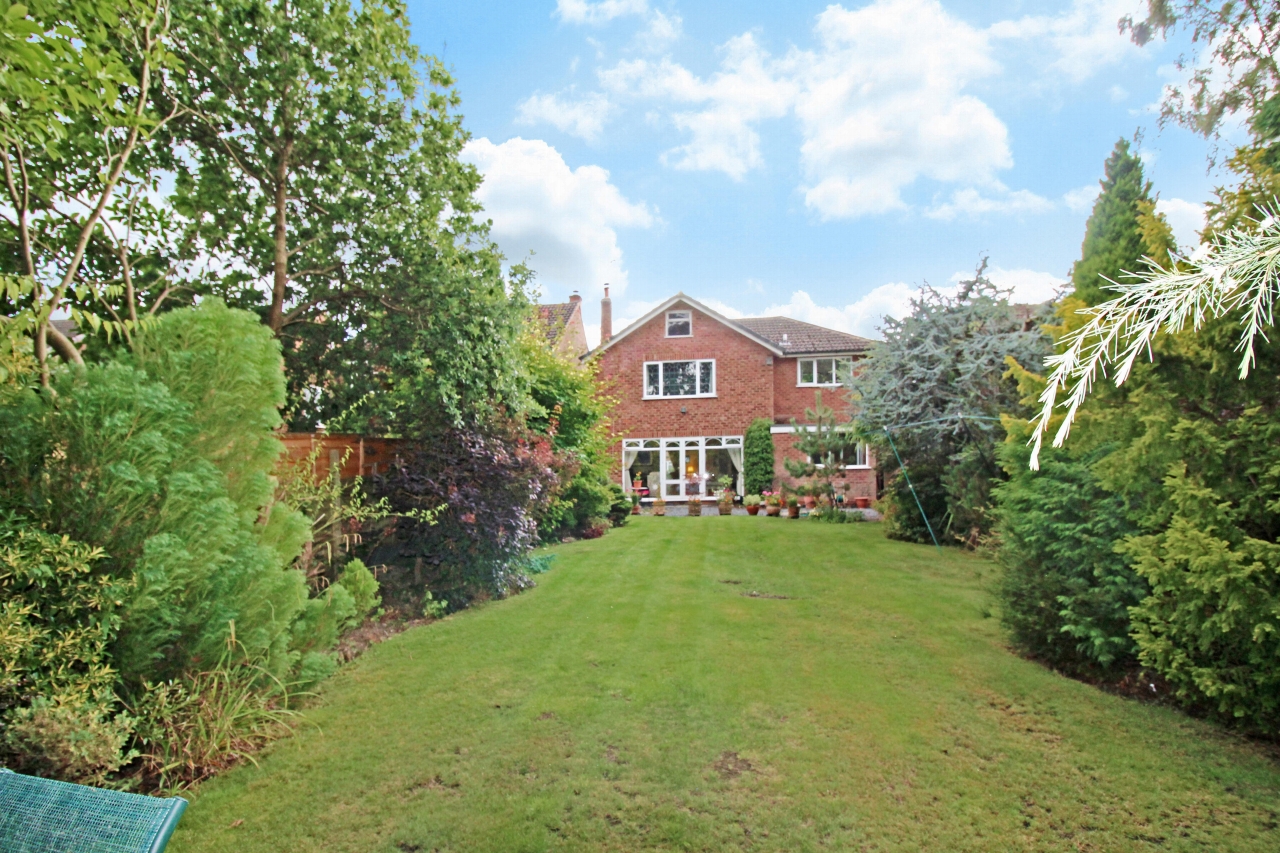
(753, 510)
(659, 509)
(862, 503)
(695, 507)
(793, 511)
(635, 509)
(772, 510)
(810, 501)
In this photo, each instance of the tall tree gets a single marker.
(1113, 243)
(937, 384)
(321, 163)
(1235, 68)
(76, 125)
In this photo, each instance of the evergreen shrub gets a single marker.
(757, 457)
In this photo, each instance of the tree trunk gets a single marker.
(280, 268)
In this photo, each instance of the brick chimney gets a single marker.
(574, 297)
(606, 317)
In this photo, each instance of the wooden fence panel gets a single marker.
(368, 457)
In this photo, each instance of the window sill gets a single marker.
(819, 384)
(683, 397)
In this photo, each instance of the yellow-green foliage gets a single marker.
(58, 615)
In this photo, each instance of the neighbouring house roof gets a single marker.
(554, 319)
(797, 338)
(692, 303)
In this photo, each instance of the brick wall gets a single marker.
(744, 382)
(790, 401)
(861, 481)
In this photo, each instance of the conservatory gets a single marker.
(679, 469)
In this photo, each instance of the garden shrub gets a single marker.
(468, 500)
(74, 737)
(140, 541)
(568, 409)
(114, 459)
(937, 383)
(619, 506)
(58, 617)
(757, 457)
(363, 587)
(1210, 626)
(1066, 591)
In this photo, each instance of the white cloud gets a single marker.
(1186, 218)
(584, 12)
(1083, 40)
(1080, 200)
(862, 317)
(1028, 286)
(747, 89)
(566, 216)
(969, 202)
(583, 118)
(661, 31)
(883, 104)
(865, 315)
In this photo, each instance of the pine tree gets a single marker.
(1113, 242)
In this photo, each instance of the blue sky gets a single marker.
(819, 161)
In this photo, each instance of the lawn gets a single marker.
(735, 684)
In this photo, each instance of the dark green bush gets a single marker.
(619, 506)
(757, 458)
(1065, 592)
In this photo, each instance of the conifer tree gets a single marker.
(1113, 242)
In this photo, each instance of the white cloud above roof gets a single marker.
(865, 315)
(567, 217)
(883, 103)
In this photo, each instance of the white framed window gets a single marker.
(679, 324)
(853, 457)
(823, 372)
(693, 378)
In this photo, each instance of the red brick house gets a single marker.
(689, 381)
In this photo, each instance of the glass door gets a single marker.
(672, 470)
(694, 475)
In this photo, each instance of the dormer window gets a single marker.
(679, 324)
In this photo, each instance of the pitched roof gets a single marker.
(554, 317)
(693, 303)
(796, 338)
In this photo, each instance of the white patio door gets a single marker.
(680, 459)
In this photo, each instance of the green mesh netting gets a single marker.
(44, 816)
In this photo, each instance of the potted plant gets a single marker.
(693, 489)
(862, 502)
(635, 504)
(805, 494)
(659, 506)
(793, 506)
(772, 504)
(726, 495)
(752, 503)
